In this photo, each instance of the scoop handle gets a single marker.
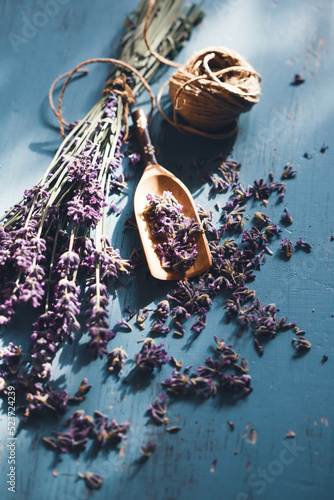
(142, 133)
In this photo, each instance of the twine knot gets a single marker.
(119, 86)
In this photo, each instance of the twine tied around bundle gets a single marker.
(118, 86)
(210, 91)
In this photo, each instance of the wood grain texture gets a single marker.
(279, 38)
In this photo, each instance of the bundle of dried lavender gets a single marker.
(58, 229)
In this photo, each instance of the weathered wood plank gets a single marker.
(279, 38)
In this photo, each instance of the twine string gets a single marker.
(60, 77)
(126, 91)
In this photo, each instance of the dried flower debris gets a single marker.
(174, 232)
(286, 217)
(298, 79)
(288, 171)
(324, 359)
(301, 344)
(287, 247)
(82, 428)
(116, 359)
(226, 373)
(158, 409)
(148, 448)
(93, 481)
(231, 424)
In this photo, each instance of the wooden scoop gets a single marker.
(155, 180)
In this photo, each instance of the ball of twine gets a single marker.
(210, 91)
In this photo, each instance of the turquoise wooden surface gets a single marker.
(279, 38)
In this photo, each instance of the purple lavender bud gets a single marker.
(84, 388)
(157, 410)
(287, 247)
(288, 172)
(179, 384)
(258, 347)
(151, 356)
(177, 246)
(298, 79)
(148, 448)
(261, 218)
(93, 481)
(301, 344)
(303, 244)
(287, 217)
(116, 359)
(272, 230)
(134, 158)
